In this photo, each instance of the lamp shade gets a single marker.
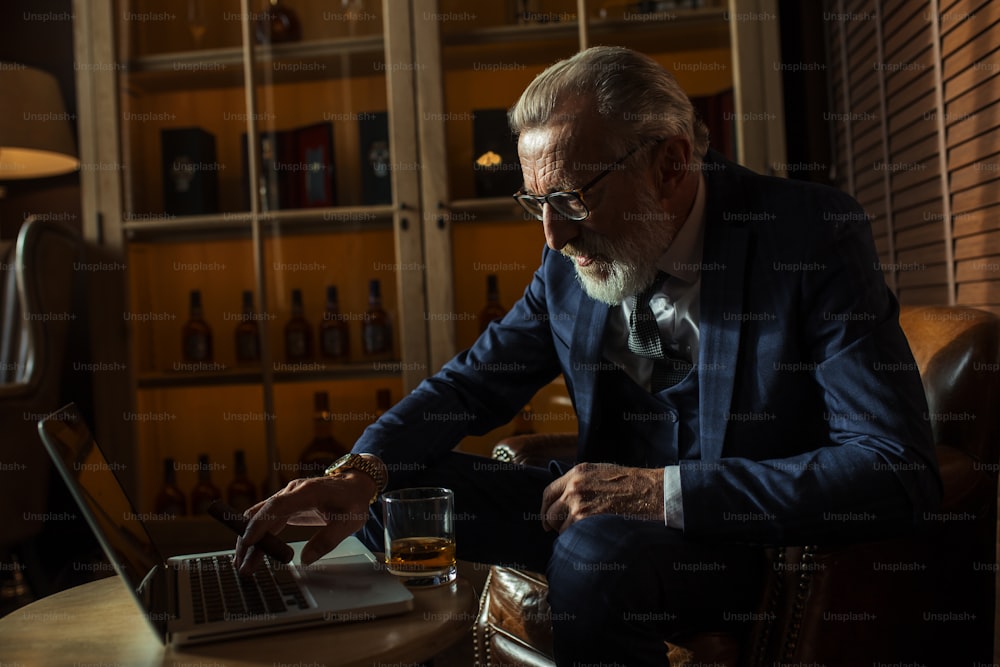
(36, 138)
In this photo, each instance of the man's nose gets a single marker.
(558, 230)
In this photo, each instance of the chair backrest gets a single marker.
(957, 350)
(37, 284)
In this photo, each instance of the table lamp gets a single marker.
(35, 135)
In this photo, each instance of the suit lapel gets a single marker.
(588, 337)
(722, 285)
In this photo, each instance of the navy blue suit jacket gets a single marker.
(813, 420)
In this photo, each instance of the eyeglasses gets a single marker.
(569, 203)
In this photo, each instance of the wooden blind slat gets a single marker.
(963, 126)
(967, 80)
(983, 268)
(906, 37)
(975, 222)
(977, 174)
(979, 54)
(979, 149)
(956, 32)
(916, 175)
(973, 198)
(923, 277)
(921, 215)
(924, 234)
(913, 197)
(978, 245)
(987, 291)
(916, 135)
(924, 296)
(925, 150)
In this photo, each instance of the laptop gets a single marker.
(199, 598)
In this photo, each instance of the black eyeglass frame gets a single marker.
(522, 197)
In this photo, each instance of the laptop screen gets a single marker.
(107, 508)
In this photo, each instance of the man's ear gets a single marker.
(673, 159)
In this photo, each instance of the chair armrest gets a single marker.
(536, 449)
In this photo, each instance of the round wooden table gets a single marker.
(99, 623)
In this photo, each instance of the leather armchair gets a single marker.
(36, 316)
(926, 598)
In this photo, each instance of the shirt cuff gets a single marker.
(673, 509)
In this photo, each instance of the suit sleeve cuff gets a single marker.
(673, 509)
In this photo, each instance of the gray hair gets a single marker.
(638, 98)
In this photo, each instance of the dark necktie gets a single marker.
(644, 340)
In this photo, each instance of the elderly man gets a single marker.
(733, 355)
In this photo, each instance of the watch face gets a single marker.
(339, 463)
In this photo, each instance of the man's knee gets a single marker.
(598, 559)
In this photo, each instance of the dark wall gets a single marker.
(807, 131)
(39, 33)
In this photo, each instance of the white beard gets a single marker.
(632, 256)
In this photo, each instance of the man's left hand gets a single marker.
(603, 488)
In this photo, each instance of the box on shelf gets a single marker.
(190, 171)
(498, 171)
(376, 179)
(296, 168)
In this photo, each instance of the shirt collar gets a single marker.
(683, 258)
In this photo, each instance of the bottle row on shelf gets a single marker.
(241, 492)
(333, 332)
(315, 458)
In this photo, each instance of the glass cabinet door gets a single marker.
(189, 250)
(483, 58)
(268, 216)
(341, 255)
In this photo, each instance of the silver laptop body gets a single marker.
(349, 584)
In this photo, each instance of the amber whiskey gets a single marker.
(421, 555)
(493, 310)
(204, 491)
(323, 449)
(247, 334)
(375, 330)
(196, 336)
(170, 500)
(298, 332)
(333, 331)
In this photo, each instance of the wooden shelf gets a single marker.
(230, 225)
(504, 45)
(485, 209)
(307, 371)
(283, 63)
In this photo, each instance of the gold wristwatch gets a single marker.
(367, 463)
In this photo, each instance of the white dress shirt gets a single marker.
(676, 308)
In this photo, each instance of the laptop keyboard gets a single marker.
(220, 594)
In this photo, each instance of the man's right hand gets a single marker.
(338, 503)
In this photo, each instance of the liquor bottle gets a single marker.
(170, 500)
(383, 401)
(298, 333)
(493, 310)
(278, 23)
(240, 493)
(334, 343)
(324, 448)
(247, 334)
(204, 491)
(196, 336)
(375, 330)
(523, 422)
